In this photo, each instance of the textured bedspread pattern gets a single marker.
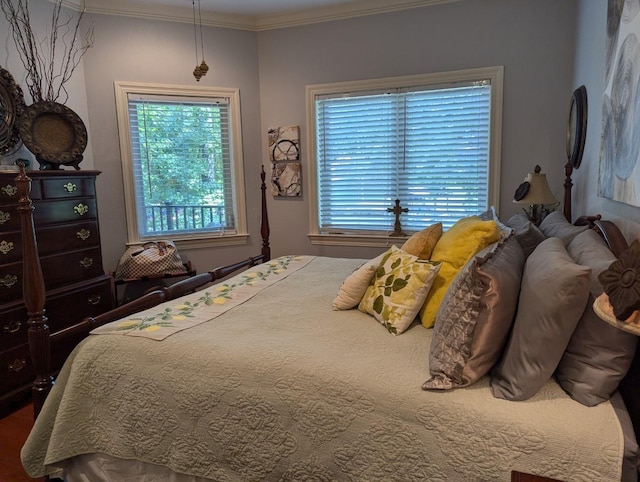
(284, 388)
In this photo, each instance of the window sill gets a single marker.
(209, 241)
(366, 241)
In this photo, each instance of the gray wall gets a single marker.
(533, 39)
(40, 15)
(135, 50)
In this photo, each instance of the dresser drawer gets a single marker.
(57, 270)
(74, 306)
(10, 282)
(47, 212)
(51, 239)
(72, 266)
(54, 239)
(10, 247)
(9, 191)
(62, 310)
(16, 369)
(9, 217)
(13, 327)
(67, 187)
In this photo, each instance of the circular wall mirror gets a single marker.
(577, 126)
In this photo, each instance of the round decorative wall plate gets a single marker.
(53, 133)
(11, 107)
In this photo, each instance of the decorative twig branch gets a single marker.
(45, 75)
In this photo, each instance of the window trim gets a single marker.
(495, 74)
(201, 240)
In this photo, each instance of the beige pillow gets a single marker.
(421, 244)
(398, 289)
(353, 288)
(553, 296)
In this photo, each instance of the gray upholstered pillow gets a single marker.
(556, 225)
(474, 319)
(598, 355)
(553, 296)
(526, 233)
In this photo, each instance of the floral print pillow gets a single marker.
(398, 289)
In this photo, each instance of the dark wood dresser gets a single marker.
(66, 223)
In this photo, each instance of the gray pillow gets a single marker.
(528, 234)
(556, 225)
(598, 355)
(553, 295)
(475, 316)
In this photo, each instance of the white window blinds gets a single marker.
(182, 169)
(428, 147)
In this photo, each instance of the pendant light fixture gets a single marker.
(201, 68)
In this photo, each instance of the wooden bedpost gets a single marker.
(264, 224)
(34, 296)
(568, 183)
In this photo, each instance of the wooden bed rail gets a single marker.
(151, 299)
(190, 285)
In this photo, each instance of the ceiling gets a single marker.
(248, 14)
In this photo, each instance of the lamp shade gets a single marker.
(535, 190)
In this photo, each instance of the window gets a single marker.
(431, 141)
(182, 163)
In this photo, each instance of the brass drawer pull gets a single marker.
(70, 187)
(81, 209)
(83, 234)
(5, 246)
(10, 190)
(12, 327)
(94, 299)
(17, 365)
(4, 217)
(86, 262)
(8, 281)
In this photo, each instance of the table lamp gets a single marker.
(536, 194)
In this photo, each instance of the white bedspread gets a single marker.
(283, 388)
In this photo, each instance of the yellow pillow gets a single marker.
(455, 247)
(421, 244)
(398, 289)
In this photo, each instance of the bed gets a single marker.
(241, 380)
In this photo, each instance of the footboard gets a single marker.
(39, 337)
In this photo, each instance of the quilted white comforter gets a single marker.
(283, 388)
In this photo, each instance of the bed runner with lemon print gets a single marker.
(173, 316)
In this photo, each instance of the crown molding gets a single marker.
(340, 12)
(129, 8)
(141, 9)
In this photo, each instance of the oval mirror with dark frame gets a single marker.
(577, 126)
(11, 107)
(576, 136)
